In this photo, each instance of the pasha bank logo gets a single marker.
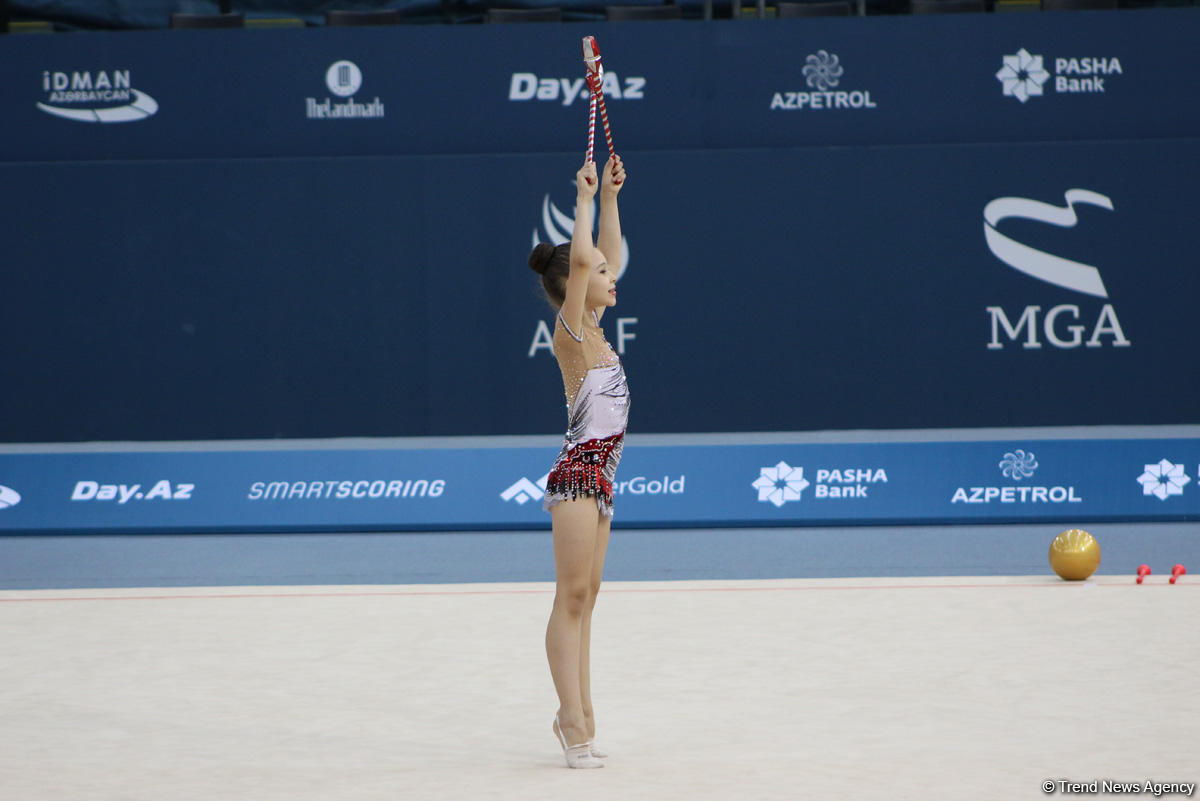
(1163, 480)
(1061, 325)
(556, 229)
(1024, 75)
(94, 96)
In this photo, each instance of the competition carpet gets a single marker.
(872, 688)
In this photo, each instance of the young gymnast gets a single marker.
(580, 280)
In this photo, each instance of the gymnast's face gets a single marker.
(602, 284)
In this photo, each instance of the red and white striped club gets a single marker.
(595, 82)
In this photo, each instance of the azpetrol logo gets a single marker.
(8, 497)
(99, 96)
(1024, 75)
(783, 483)
(823, 75)
(344, 79)
(1073, 275)
(1163, 480)
(556, 229)
(524, 86)
(1017, 465)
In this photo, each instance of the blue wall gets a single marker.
(226, 267)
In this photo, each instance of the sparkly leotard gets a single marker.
(597, 412)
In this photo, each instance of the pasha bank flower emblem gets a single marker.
(1163, 479)
(1022, 75)
(780, 484)
(822, 70)
(1018, 465)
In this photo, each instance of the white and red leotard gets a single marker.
(597, 413)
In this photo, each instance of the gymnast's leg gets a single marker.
(575, 525)
(585, 635)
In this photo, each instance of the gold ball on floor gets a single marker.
(1075, 554)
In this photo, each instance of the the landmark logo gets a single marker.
(344, 79)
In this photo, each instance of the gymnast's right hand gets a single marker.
(586, 180)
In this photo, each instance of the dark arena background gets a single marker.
(904, 294)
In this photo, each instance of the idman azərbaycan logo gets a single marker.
(1017, 465)
(823, 72)
(1062, 326)
(525, 86)
(95, 96)
(8, 497)
(556, 229)
(1024, 75)
(1163, 480)
(344, 79)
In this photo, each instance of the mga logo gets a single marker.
(1060, 326)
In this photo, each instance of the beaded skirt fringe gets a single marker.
(586, 470)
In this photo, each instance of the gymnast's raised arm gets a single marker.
(609, 241)
(584, 255)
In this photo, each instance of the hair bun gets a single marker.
(540, 258)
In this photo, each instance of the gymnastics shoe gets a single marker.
(578, 756)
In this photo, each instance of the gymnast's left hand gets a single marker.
(614, 176)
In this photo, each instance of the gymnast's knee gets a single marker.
(575, 599)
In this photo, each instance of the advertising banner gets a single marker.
(501, 89)
(702, 485)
